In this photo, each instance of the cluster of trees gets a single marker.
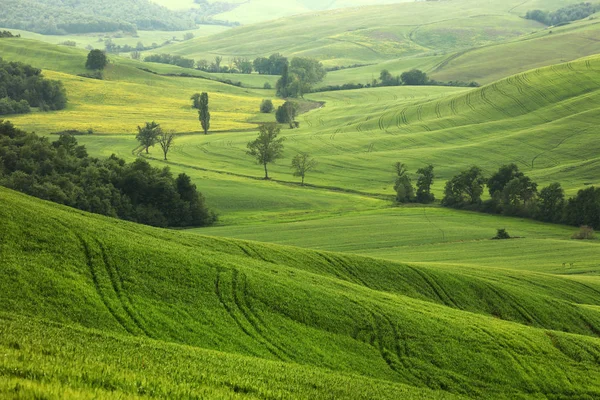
(268, 148)
(85, 16)
(299, 76)
(563, 15)
(513, 193)
(171, 59)
(237, 65)
(23, 86)
(273, 65)
(405, 192)
(61, 171)
(150, 134)
(8, 34)
(286, 114)
(414, 77)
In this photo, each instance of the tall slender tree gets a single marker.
(203, 113)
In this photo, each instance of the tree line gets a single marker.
(23, 86)
(511, 193)
(563, 15)
(85, 16)
(61, 171)
(8, 34)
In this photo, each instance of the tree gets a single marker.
(414, 77)
(203, 113)
(424, 182)
(165, 140)
(465, 188)
(302, 163)
(266, 106)
(148, 135)
(262, 65)
(403, 186)
(266, 148)
(96, 59)
(517, 195)
(307, 72)
(195, 101)
(584, 209)
(283, 82)
(498, 181)
(387, 79)
(551, 203)
(286, 114)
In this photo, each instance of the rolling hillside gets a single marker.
(369, 34)
(327, 316)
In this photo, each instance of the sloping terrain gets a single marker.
(466, 334)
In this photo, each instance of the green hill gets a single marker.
(72, 281)
(368, 34)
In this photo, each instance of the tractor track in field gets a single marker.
(545, 151)
(351, 273)
(437, 289)
(239, 321)
(95, 272)
(249, 314)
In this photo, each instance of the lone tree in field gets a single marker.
(266, 148)
(403, 186)
(96, 59)
(148, 135)
(302, 163)
(165, 140)
(286, 114)
(266, 106)
(424, 183)
(203, 114)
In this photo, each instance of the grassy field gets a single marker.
(129, 96)
(543, 120)
(368, 34)
(136, 298)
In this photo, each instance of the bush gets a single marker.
(501, 234)
(266, 106)
(585, 233)
(267, 86)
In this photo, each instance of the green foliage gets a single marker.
(8, 34)
(584, 208)
(148, 135)
(266, 106)
(424, 182)
(62, 172)
(414, 77)
(299, 77)
(403, 186)
(267, 147)
(465, 189)
(286, 114)
(203, 113)
(23, 86)
(273, 65)
(551, 203)
(502, 234)
(303, 163)
(85, 16)
(170, 59)
(564, 15)
(96, 60)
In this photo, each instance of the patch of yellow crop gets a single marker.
(120, 106)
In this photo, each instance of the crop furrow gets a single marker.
(438, 112)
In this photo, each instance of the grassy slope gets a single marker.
(128, 96)
(392, 324)
(368, 34)
(543, 120)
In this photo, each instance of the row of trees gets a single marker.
(563, 15)
(171, 59)
(513, 193)
(414, 77)
(61, 171)
(85, 16)
(8, 34)
(23, 86)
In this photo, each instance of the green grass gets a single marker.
(128, 96)
(367, 34)
(124, 303)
